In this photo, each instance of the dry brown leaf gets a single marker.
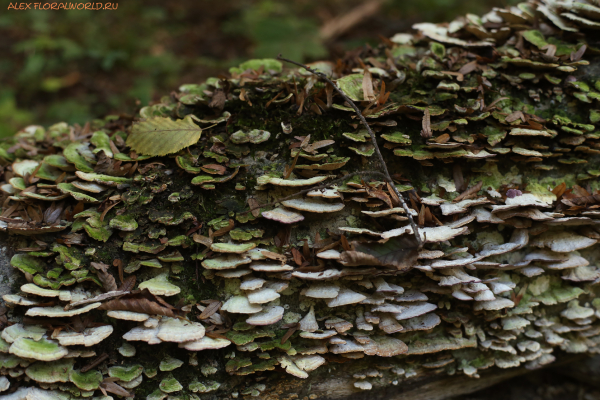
(581, 192)
(515, 116)
(128, 283)
(212, 308)
(426, 131)
(198, 238)
(254, 206)
(215, 335)
(274, 256)
(313, 147)
(535, 125)
(469, 192)
(298, 259)
(398, 252)
(108, 281)
(393, 195)
(459, 181)
(218, 99)
(216, 169)
(328, 247)
(576, 55)
(468, 68)
(581, 200)
(142, 302)
(444, 138)
(381, 195)
(559, 190)
(329, 93)
(224, 230)
(345, 245)
(305, 249)
(112, 387)
(244, 97)
(367, 86)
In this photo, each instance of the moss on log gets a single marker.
(155, 256)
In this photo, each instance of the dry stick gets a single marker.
(373, 140)
(94, 363)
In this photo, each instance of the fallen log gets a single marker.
(418, 222)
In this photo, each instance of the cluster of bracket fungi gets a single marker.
(168, 232)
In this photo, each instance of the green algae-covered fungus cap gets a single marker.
(89, 380)
(170, 363)
(51, 372)
(170, 385)
(27, 264)
(43, 349)
(160, 286)
(125, 373)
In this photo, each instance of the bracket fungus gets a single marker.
(279, 255)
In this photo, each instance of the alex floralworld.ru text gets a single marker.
(63, 6)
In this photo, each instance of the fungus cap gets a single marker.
(309, 322)
(240, 305)
(345, 297)
(38, 291)
(311, 204)
(321, 291)
(268, 316)
(562, 241)
(385, 346)
(128, 315)
(283, 215)
(58, 311)
(234, 273)
(318, 335)
(51, 372)
(206, 343)
(42, 350)
(270, 267)
(178, 330)
(421, 323)
(13, 332)
(226, 262)
(266, 179)
(169, 363)
(252, 283)
(160, 286)
(143, 334)
(414, 310)
(232, 248)
(88, 337)
(262, 296)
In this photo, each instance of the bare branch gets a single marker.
(386, 173)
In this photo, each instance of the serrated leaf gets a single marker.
(159, 136)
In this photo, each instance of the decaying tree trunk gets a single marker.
(242, 238)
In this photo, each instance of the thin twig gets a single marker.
(373, 140)
(95, 363)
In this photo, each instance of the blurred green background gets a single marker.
(76, 65)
